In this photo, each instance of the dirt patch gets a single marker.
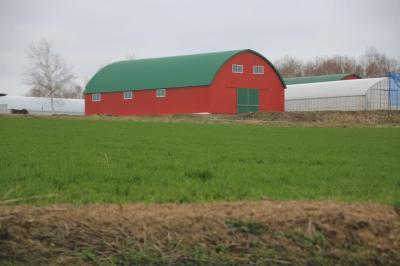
(265, 232)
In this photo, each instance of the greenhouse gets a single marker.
(345, 95)
(41, 106)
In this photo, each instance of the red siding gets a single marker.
(219, 97)
(145, 102)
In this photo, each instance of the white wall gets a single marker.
(345, 103)
(4, 109)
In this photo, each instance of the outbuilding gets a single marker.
(344, 95)
(227, 82)
(41, 105)
(321, 78)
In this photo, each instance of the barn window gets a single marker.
(161, 93)
(128, 95)
(258, 69)
(96, 97)
(237, 68)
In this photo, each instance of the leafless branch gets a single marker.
(48, 74)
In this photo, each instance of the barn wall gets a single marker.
(223, 89)
(145, 102)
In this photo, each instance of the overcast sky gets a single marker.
(91, 33)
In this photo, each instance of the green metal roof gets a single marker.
(315, 79)
(165, 72)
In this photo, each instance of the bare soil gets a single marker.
(227, 233)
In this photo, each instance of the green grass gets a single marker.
(86, 161)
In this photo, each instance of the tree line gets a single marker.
(371, 64)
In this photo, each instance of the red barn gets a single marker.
(220, 83)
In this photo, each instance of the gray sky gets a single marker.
(91, 33)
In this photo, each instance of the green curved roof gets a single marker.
(315, 79)
(165, 72)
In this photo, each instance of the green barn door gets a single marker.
(247, 100)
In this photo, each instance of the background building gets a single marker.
(42, 106)
(344, 95)
(322, 78)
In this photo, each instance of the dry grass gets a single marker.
(307, 119)
(265, 232)
(388, 118)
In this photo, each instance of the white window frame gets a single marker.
(236, 68)
(96, 97)
(161, 93)
(128, 98)
(258, 70)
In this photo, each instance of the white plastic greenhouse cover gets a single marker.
(330, 89)
(38, 105)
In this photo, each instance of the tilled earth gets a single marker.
(227, 233)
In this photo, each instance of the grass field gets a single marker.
(84, 161)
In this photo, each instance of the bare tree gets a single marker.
(72, 93)
(397, 64)
(130, 56)
(289, 66)
(47, 74)
(331, 65)
(377, 64)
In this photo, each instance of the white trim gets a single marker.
(236, 68)
(96, 99)
(127, 98)
(161, 93)
(258, 70)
